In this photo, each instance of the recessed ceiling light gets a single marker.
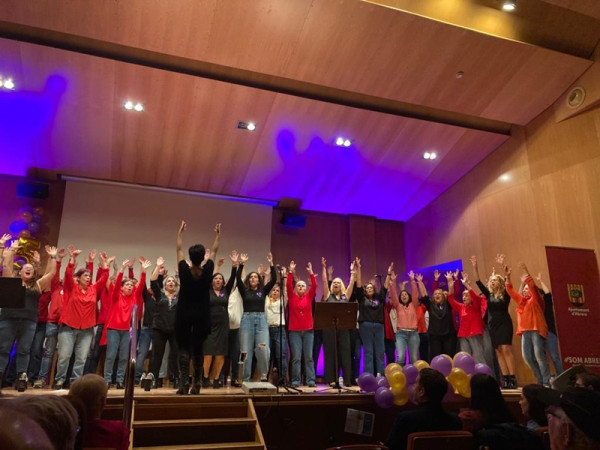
(505, 177)
(7, 84)
(429, 155)
(509, 5)
(250, 126)
(138, 107)
(341, 141)
(128, 105)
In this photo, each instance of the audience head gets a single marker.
(197, 253)
(531, 406)
(431, 386)
(487, 398)
(588, 380)
(92, 390)
(21, 432)
(54, 414)
(573, 418)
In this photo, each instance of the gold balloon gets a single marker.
(465, 389)
(392, 368)
(420, 364)
(27, 246)
(457, 378)
(400, 397)
(397, 380)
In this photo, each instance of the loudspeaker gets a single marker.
(32, 190)
(294, 220)
(568, 377)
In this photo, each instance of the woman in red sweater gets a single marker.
(78, 316)
(531, 324)
(300, 324)
(119, 320)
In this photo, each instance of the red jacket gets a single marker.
(471, 316)
(530, 310)
(119, 316)
(79, 308)
(300, 308)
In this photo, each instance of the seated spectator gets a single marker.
(573, 418)
(20, 432)
(57, 417)
(491, 422)
(532, 408)
(91, 389)
(430, 389)
(588, 380)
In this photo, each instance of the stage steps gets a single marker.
(196, 422)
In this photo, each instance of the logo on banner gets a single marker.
(576, 295)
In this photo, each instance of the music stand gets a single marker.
(13, 293)
(337, 316)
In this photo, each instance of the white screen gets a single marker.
(129, 221)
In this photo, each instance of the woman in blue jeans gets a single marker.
(254, 331)
(407, 335)
(370, 323)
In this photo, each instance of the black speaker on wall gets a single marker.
(32, 190)
(293, 220)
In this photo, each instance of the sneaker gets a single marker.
(58, 386)
(120, 386)
(22, 382)
(40, 383)
(311, 384)
(147, 381)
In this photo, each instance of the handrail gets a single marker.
(130, 372)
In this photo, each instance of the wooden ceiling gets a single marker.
(305, 71)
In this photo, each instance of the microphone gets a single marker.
(278, 267)
(377, 276)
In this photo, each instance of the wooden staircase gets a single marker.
(195, 422)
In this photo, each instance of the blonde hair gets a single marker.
(501, 286)
(342, 288)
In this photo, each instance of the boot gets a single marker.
(513, 382)
(22, 382)
(184, 373)
(198, 375)
(504, 382)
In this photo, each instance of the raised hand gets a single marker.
(270, 258)
(218, 229)
(70, 249)
(436, 274)
(36, 257)
(419, 277)
(75, 253)
(234, 257)
(284, 272)
(261, 270)
(14, 245)
(357, 261)
(390, 268)
(244, 258)
(125, 263)
(411, 275)
(160, 261)
(309, 268)
(500, 257)
(220, 262)
(522, 265)
(141, 259)
(130, 262)
(465, 278)
(182, 227)
(145, 264)
(4, 239)
(91, 255)
(507, 271)
(473, 260)
(539, 277)
(323, 262)
(61, 253)
(393, 276)
(292, 266)
(52, 251)
(330, 271)
(449, 276)
(456, 274)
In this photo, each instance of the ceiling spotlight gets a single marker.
(432, 155)
(509, 5)
(339, 141)
(250, 126)
(427, 155)
(7, 84)
(347, 143)
(138, 107)
(128, 105)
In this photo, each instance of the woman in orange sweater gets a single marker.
(531, 324)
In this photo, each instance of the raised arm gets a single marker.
(357, 269)
(542, 284)
(326, 292)
(475, 267)
(242, 260)
(421, 285)
(179, 242)
(353, 269)
(44, 282)
(160, 264)
(313, 281)
(215, 247)
(393, 290)
(8, 255)
(273, 274)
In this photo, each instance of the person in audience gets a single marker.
(216, 344)
(78, 316)
(192, 315)
(532, 408)
(499, 322)
(588, 380)
(119, 320)
(531, 324)
(19, 324)
(254, 331)
(20, 432)
(275, 313)
(441, 329)
(55, 414)
(371, 305)
(431, 386)
(471, 312)
(166, 290)
(573, 416)
(337, 293)
(407, 335)
(301, 324)
(91, 390)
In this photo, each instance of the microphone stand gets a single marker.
(282, 381)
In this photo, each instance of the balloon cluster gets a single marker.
(399, 384)
(28, 228)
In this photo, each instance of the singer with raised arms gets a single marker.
(301, 324)
(254, 331)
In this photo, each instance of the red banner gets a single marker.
(576, 292)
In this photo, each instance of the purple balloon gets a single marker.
(384, 398)
(465, 362)
(382, 381)
(367, 382)
(442, 364)
(34, 227)
(482, 368)
(411, 373)
(17, 226)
